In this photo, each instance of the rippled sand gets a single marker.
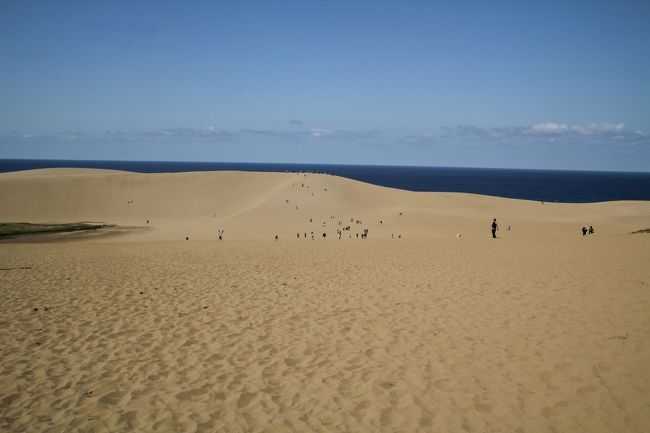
(542, 330)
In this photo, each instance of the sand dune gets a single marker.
(261, 205)
(541, 330)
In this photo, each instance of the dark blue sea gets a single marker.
(547, 185)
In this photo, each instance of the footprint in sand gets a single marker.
(193, 394)
(112, 398)
(245, 398)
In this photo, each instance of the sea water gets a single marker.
(542, 185)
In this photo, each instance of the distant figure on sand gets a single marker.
(584, 230)
(591, 230)
(276, 237)
(495, 227)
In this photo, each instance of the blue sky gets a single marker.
(549, 84)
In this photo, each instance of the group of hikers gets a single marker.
(339, 234)
(364, 234)
(585, 230)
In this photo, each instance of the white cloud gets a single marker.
(421, 137)
(316, 132)
(583, 129)
(549, 128)
(552, 132)
(598, 128)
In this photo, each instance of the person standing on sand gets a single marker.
(495, 227)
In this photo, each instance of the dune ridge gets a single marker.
(197, 204)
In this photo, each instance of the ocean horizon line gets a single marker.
(578, 170)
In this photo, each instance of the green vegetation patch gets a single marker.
(22, 229)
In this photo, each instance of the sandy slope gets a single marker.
(541, 330)
(261, 205)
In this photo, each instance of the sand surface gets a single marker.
(540, 330)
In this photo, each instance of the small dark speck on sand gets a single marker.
(35, 309)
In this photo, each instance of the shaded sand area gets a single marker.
(541, 330)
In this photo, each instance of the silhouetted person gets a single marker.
(495, 227)
(591, 230)
(584, 230)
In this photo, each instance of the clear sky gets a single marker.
(546, 84)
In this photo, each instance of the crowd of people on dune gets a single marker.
(494, 227)
(363, 234)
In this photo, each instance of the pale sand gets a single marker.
(541, 330)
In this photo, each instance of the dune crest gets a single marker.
(262, 205)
